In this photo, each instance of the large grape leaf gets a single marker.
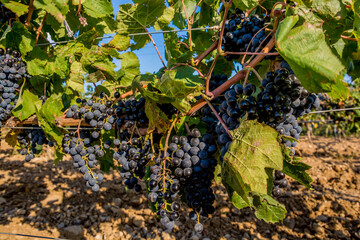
(18, 37)
(16, 7)
(139, 16)
(57, 8)
(254, 149)
(98, 8)
(180, 85)
(304, 47)
(157, 118)
(130, 67)
(26, 105)
(248, 167)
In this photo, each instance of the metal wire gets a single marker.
(33, 128)
(31, 236)
(335, 110)
(135, 34)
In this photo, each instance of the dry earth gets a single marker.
(39, 198)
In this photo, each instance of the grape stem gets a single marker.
(156, 48)
(218, 117)
(253, 53)
(227, 7)
(31, 10)
(349, 38)
(189, 23)
(240, 75)
(208, 77)
(165, 151)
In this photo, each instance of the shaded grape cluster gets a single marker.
(12, 73)
(31, 142)
(280, 182)
(133, 155)
(243, 34)
(85, 150)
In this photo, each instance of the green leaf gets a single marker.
(180, 86)
(47, 114)
(246, 4)
(129, 68)
(254, 149)
(97, 61)
(138, 17)
(313, 62)
(120, 41)
(57, 8)
(266, 208)
(326, 9)
(98, 8)
(26, 105)
(157, 118)
(150, 93)
(16, 7)
(18, 38)
(76, 78)
(296, 170)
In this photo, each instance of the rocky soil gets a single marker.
(42, 199)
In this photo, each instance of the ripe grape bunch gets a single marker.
(86, 146)
(12, 73)
(281, 101)
(186, 170)
(133, 155)
(243, 34)
(31, 142)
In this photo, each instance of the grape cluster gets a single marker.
(84, 152)
(5, 14)
(281, 101)
(133, 155)
(86, 146)
(279, 182)
(12, 73)
(31, 142)
(243, 34)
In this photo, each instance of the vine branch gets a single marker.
(31, 10)
(156, 48)
(38, 31)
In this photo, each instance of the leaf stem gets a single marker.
(189, 23)
(227, 7)
(349, 38)
(218, 117)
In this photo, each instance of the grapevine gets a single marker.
(184, 125)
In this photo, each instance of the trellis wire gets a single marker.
(31, 236)
(89, 128)
(136, 34)
(335, 110)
